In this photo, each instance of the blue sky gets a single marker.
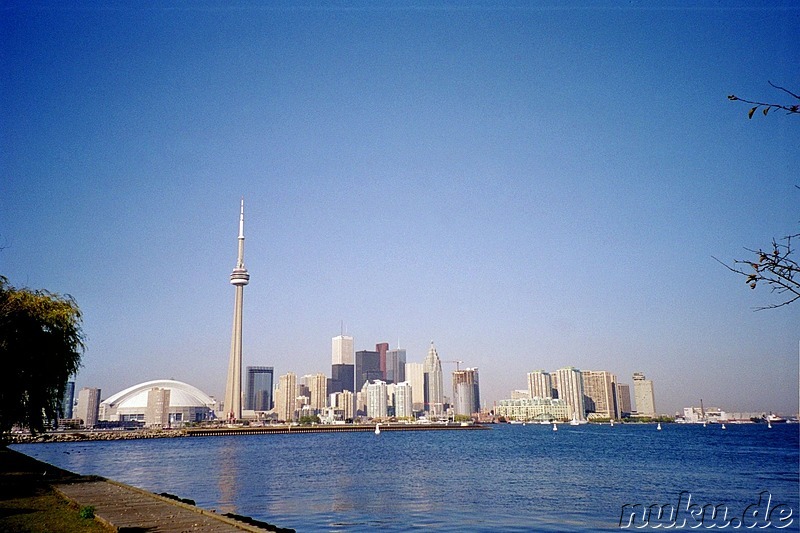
(528, 185)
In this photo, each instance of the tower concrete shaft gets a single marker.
(239, 278)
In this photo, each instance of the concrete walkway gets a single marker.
(127, 508)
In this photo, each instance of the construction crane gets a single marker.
(456, 362)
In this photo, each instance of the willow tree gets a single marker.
(41, 343)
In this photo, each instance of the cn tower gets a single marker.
(239, 278)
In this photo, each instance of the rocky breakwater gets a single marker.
(80, 436)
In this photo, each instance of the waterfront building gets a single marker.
(157, 412)
(342, 350)
(67, 401)
(368, 367)
(466, 391)
(624, 400)
(403, 400)
(415, 375)
(434, 389)
(239, 278)
(643, 395)
(318, 389)
(534, 409)
(260, 382)
(377, 399)
(599, 394)
(285, 397)
(88, 409)
(395, 365)
(540, 384)
(185, 403)
(570, 389)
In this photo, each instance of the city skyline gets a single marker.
(533, 186)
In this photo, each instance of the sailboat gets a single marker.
(723, 426)
(612, 422)
(555, 427)
(377, 429)
(658, 427)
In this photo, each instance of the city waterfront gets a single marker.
(513, 478)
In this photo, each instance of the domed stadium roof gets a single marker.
(181, 395)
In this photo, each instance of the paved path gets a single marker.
(127, 508)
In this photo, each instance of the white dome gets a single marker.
(181, 395)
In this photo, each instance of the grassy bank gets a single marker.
(28, 503)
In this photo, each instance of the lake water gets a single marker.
(511, 478)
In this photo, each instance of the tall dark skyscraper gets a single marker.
(259, 388)
(368, 368)
(342, 378)
(68, 400)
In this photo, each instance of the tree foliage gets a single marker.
(766, 107)
(41, 343)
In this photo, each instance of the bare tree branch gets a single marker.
(790, 109)
(775, 268)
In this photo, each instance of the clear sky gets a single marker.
(531, 185)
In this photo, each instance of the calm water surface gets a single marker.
(512, 478)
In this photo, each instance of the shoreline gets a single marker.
(115, 434)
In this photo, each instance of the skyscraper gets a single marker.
(395, 365)
(540, 385)
(643, 395)
(415, 375)
(466, 391)
(570, 389)
(376, 399)
(434, 390)
(368, 367)
(624, 400)
(342, 350)
(68, 400)
(260, 382)
(285, 396)
(318, 389)
(599, 390)
(239, 278)
(88, 407)
(382, 348)
(403, 405)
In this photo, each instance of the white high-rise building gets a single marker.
(643, 395)
(540, 385)
(342, 351)
(434, 388)
(415, 376)
(88, 408)
(403, 400)
(570, 389)
(376, 399)
(285, 396)
(239, 278)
